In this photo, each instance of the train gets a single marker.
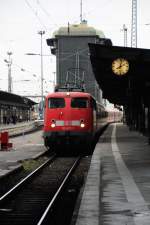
(71, 119)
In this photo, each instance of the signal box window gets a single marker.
(54, 103)
(79, 103)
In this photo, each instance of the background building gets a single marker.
(70, 45)
(15, 108)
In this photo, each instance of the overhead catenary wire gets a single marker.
(21, 67)
(47, 13)
(74, 54)
(62, 59)
(86, 13)
(34, 12)
(46, 28)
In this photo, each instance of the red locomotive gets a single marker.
(69, 120)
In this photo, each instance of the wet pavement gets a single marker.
(117, 190)
(26, 146)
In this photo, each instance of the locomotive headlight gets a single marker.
(82, 124)
(53, 124)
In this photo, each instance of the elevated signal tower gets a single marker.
(134, 24)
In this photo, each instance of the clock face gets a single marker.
(120, 66)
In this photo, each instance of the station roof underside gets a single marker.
(10, 99)
(134, 85)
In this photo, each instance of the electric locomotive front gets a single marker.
(69, 119)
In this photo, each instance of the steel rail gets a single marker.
(58, 192)
(26, 179)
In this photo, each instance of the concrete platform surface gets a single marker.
(24, 147)
(117, 189)
(20, 128)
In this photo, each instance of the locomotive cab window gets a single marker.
(54, 103)
(79, 103)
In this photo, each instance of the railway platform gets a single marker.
(20, 128)
(117, 188)
(22, 148)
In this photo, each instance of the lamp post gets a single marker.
(54, 79)
(41, 33)
(125, 30)
(9, 63)
(125, 35)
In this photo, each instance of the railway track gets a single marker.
(32, 200)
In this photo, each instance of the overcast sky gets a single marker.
(20, 21)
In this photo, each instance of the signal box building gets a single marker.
(73, 65)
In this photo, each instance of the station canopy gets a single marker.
(132, 86)
(11, 99)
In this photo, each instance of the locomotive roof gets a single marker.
(72, 94)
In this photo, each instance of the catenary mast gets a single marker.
(134, 24)
(81, 11)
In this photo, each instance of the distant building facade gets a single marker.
(70, 45)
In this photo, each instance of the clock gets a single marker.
(120, 66)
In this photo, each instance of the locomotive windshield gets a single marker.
(79, 103)
(56, 103)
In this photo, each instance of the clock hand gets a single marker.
(118, 67)
(123, 64)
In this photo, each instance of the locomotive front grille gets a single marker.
(75, 122)
(67, 123)
(60, 123)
